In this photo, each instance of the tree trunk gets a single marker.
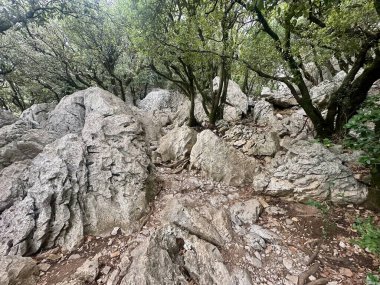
(356, 93)
(192, 120)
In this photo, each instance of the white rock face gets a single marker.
(162, 99)
(19, 141)
(245, 212)
(185, 245)
(177, 143)
(38, 114)
(263, 112)
(6, 118)
(310, 171)
(235, 97)
(321, 93)
(278, 99)
(88, 181)
(220, 161)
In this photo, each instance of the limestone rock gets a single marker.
(155, 261)
(310, 171)
(205, 263)
(19, 141)
(158, 260)
(263, 112)
(6, 118)
(162, 99)
(17, 270)
(91, 179)
(88, 271)
(321, 93)
(245, 212)
(235, 98)
(220, 161)
(177, 143)
(189, 219)
(278, 99)
(12, 183)
(38, 114)
(263, 144)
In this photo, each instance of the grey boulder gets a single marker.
(222, 162)
(177, 143)
(310, 171)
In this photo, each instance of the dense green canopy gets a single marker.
(51, 48)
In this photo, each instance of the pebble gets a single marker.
(346, 272)
(115, 254)
(115, 231)
(44, 266)
(287, 263)
(288, 221)
(106, 269)
(279, 116)
(74, 256)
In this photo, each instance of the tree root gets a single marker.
(302, 278)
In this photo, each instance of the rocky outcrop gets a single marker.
(19, 142)
(278, 99)
(92, 178)
(17, 270)
(235, 109)
(321, 93)
(310, 171)
(263, 112)
(38, 114)
(237, 101)
(162, 100)
(6, 118)
(177, 143)
(185, 249)
(220, 161)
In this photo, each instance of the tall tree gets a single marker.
(346, 29)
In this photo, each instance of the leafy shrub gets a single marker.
(369, 235)
(363, 131)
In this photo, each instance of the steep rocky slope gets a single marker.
(96, 191)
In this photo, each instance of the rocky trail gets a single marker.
(287, 239)
(95, 191)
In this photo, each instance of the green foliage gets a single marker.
(372, 279)
(327, 142)
(369, 235)
(319, 205)
(364, 131)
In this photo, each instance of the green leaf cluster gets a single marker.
(369, 235)
(364, 131)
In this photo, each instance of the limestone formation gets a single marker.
(91, 179)
(222, 162)
(6, 118)
(17, 270)
(177, 143)
(310, 171)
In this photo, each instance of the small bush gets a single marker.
(369, 235)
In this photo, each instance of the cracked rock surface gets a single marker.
(86, 174)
